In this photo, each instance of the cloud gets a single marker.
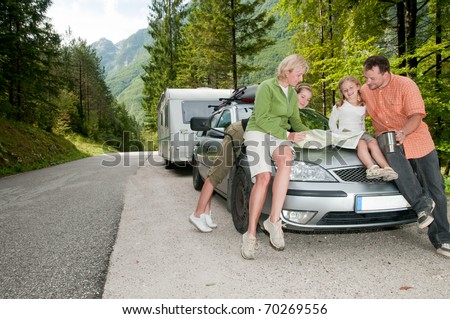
(94, 19)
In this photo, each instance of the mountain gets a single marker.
(123, 63)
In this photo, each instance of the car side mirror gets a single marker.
(218, 132)
(200, 124)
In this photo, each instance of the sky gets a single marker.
(91, 20)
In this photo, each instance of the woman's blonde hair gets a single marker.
(303, 86)
(289, 64)
(350, 79)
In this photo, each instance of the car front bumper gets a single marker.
(320, 206)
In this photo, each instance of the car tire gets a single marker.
(197, 180)
(240, 198)
(168, 164)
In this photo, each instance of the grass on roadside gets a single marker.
(24, 148)
(89, 146)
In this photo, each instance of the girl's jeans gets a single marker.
(419, 181)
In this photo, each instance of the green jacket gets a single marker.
(273, 111)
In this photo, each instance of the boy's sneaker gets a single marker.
(208, 220)
(424, 217)
(388, 174)
(248, 246)
(444, 250)
(275, 232)
(200, 223)
(374, 172)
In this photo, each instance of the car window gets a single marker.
(313, 119)
(225, 119)
(244, 112)
(215, 119)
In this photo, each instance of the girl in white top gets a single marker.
(349, 116)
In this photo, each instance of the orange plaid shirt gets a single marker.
(390, 108)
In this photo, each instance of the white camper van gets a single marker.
(176, 107)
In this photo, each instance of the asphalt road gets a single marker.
(58, 226)
(85, 230)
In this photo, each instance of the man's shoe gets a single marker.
(275, 232)
(424, 217)
(208, 220)
(200, 223)
(444, 250)
(248, 246)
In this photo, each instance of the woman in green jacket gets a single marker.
(268, 139)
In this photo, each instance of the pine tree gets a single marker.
(165, 25)
(218, 38)
(28, 48)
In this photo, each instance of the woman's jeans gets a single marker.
(419, 181)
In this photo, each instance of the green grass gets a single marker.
(447, 184)
(89, 146)
(25, 148)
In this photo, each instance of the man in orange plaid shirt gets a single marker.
(395, 103)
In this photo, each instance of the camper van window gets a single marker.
(166, 117)
(197, 109)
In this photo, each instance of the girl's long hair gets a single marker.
(355, 81)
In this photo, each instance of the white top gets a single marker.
(285, 90)
(347, 117)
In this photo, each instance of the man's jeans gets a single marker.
(419, 180)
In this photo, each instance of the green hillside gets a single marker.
(123, 63)
(24, 147)
(132, 97)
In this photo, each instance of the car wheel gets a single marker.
(196, 178)
(169, 164)
(240, 197)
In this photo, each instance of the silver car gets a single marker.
(328, 189)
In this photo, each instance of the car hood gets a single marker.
(329, 157)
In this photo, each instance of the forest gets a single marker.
(55, 85)
(225, 43)
(58, 85)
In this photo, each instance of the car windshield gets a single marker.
(313, 119)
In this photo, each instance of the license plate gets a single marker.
(373, 204)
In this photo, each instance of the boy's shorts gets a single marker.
(367, 137)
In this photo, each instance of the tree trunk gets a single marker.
(438, 40)
(401, 32)
(447, 168)
(324, 86)
(411, 27)
(330, 21)
(233, 45)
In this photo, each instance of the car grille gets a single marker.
(355, 174)
(352, 218)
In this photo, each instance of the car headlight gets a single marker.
(308, 172)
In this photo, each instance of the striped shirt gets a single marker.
(390, 108)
